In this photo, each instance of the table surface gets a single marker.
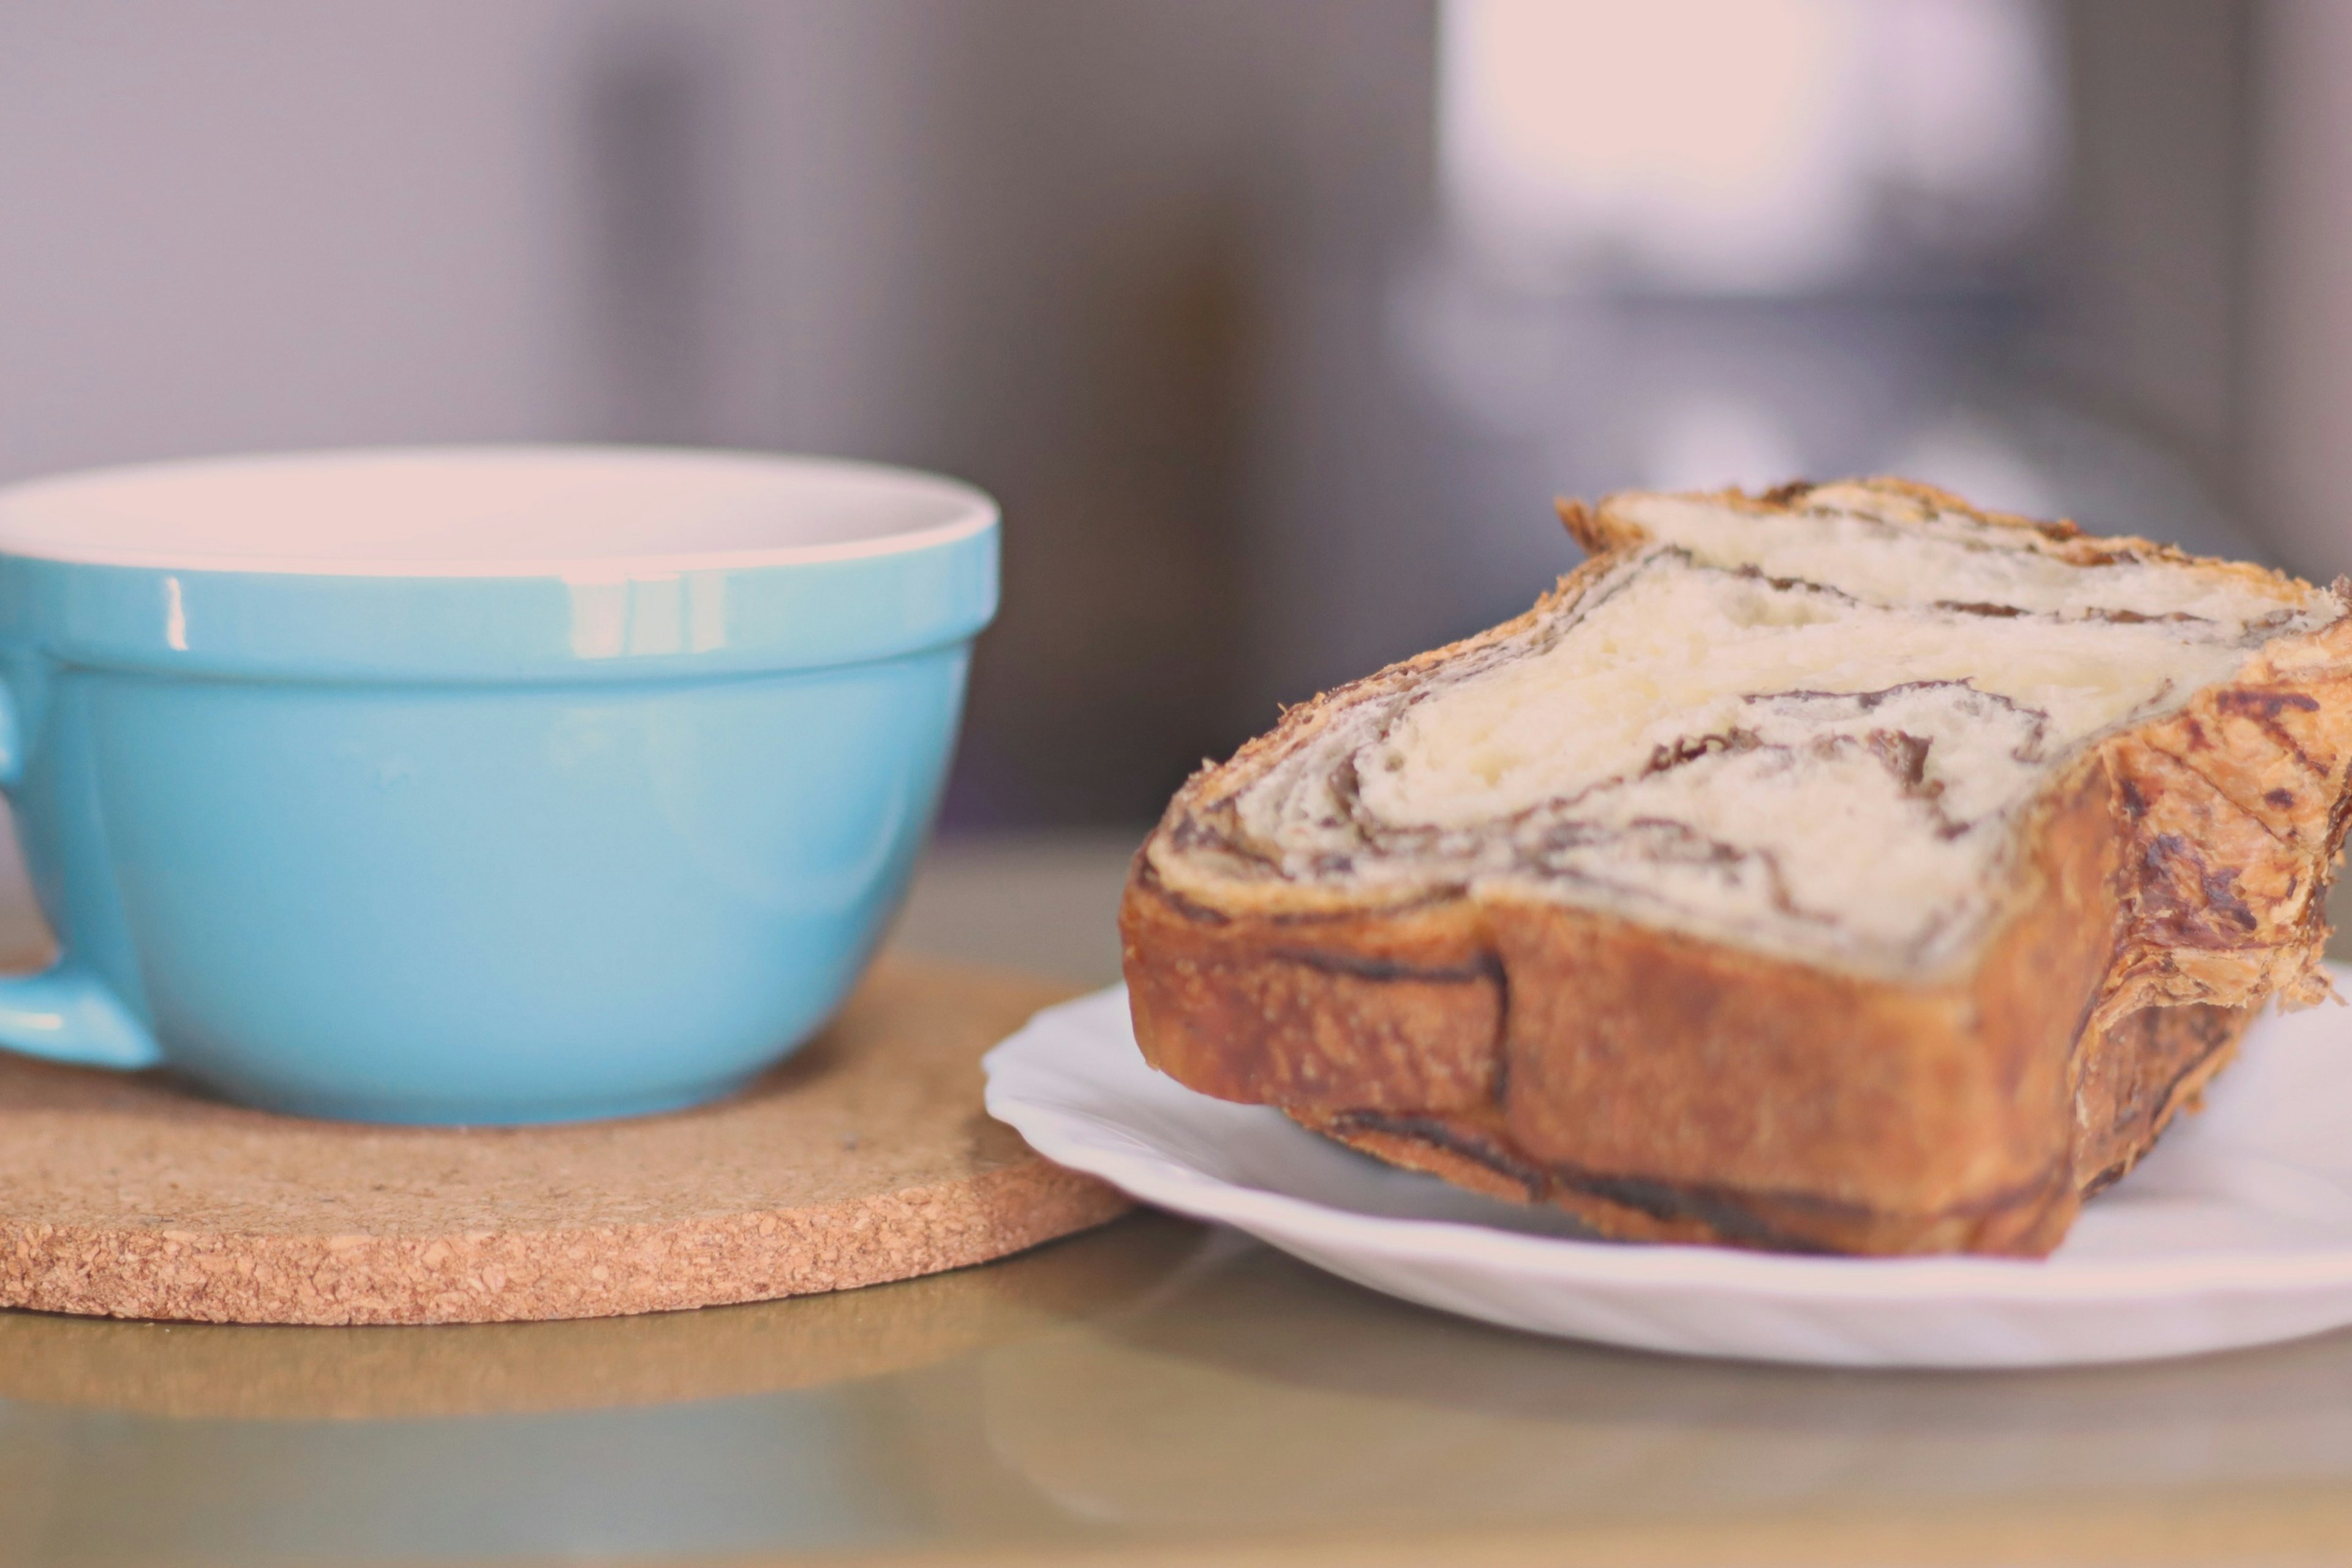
(1150, 1393)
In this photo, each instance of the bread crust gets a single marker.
(1381, 1010)
(1662, 1086)
(2137, 1077)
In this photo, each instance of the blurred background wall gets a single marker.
(1275, 326)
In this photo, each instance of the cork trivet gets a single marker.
(864, 1158)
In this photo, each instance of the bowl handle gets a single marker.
(67, 1014)
(63, 1013)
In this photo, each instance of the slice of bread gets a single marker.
(1841, 869)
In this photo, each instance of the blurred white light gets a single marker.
(1970, 458)
(1745, 146)
(1705, 442)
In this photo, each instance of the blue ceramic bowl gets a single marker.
(479, 784)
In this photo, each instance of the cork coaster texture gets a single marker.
(864, 1158)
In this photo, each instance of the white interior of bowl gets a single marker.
(487, 511)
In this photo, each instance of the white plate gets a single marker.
(2236, 1231)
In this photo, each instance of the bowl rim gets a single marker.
(953, 511)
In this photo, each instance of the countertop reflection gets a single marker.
(1152, 1386)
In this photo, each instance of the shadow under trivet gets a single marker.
(864, 1158)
